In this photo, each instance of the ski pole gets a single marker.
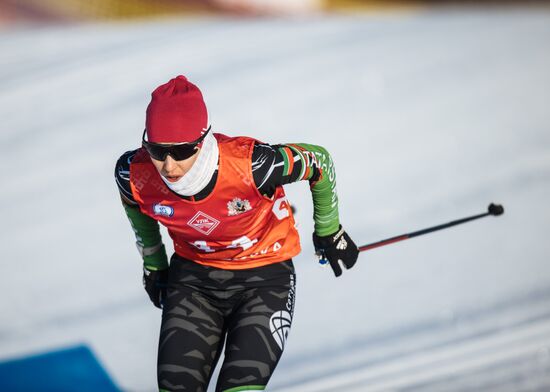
(493, 209)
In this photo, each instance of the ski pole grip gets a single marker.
(495, 209)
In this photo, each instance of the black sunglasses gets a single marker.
(178, 151)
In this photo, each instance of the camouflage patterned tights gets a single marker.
(250, 310)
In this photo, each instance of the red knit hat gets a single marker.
(176, 113)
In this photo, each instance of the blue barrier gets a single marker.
(65, 370)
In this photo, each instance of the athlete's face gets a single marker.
(173, 170)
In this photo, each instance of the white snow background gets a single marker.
(429, 117)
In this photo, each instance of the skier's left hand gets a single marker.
(336, 248)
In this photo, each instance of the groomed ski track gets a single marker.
(504, 348)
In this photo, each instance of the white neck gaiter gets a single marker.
(201, 172)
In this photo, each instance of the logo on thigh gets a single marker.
(279, 323)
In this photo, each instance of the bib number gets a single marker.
(281, 209)
(243, 242)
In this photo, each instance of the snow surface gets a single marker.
(429, 116)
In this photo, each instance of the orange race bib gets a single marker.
(235, 227)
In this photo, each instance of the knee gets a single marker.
(175, 378)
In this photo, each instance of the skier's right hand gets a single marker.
(155, 283)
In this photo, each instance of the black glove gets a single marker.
(335, 248)
(155, 283)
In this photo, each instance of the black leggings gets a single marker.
(251, 310)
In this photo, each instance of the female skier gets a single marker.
(231, 279)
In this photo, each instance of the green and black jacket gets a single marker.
(272, 166)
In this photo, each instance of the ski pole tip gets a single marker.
(495, 209)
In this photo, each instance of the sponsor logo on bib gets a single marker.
(203, 223)
(159, 209)
(238, 206)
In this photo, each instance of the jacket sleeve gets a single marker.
(276, 165)
(146, 229)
